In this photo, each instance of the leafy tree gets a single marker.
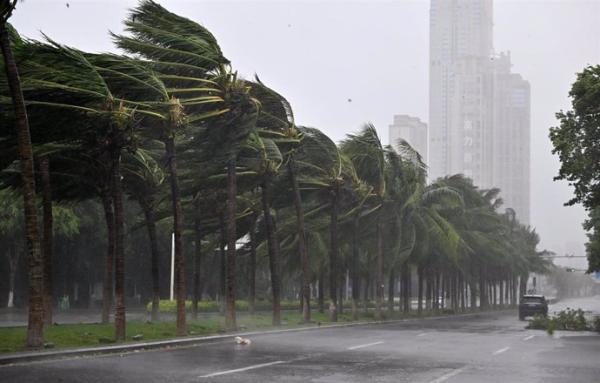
(577, 142)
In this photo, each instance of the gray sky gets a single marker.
(319, 54)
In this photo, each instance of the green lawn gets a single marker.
(12, 339)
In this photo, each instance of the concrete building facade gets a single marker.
(478, 110)
(412, 130)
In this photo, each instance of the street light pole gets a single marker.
(172, 265)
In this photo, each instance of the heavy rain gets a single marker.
(299, 191)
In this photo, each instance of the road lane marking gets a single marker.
(501, 351)
(364, 345)
(422, 334)
(443, 378)
(242, 369)
(529, 337)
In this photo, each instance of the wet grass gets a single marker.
(12, 339)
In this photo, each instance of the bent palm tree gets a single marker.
(368, 156)
(35, 327)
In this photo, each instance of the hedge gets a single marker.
(167, 306)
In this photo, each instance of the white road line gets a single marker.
(364, 345)
(528, 337)
(452, 373)
(501, 351)
(422, 334)
(242, 369)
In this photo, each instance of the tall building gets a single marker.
(460, 45)
(511, 140)
(411, 129)
(478, 109)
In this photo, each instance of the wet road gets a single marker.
(491, 347)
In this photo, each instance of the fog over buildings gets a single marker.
(479, 123)
(412, 130)
(376, 53)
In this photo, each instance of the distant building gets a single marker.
(412, 130)
(478, 110)
(460, 47)
(511, 141)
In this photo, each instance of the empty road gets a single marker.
(490, 347)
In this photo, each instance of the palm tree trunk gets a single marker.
(48, 244)
(333, 256)
(366, 292)
(321, 297)
(177, 230)
(379, 277)
(120, 319)
(150, 217)
(482, 289)
(420, 293)
(391, 282)
(197, 259)
(230, 319)
(107, 292)
(515, 298)
(428, 288)
(302, 249)
(523, 284)
(273, 244)
(252, 267)
(35, 326)
(222, 261)
(197, 268)
(473, 292)
(340, 295)
(406, 291)
(354, 271)
(13, 261)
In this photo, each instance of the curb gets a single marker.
(35, 356)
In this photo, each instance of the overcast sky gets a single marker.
(320, 54)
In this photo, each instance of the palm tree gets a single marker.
(263, 160)
(47, 249)
(323, 169)
(143, 179)
(179, 50)
(276, 122)
(35, 327)
(189, 59)
(61, 77)
(367, 154)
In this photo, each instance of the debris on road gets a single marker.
(242, 341)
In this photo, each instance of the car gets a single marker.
(532, 304)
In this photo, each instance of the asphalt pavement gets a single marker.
(488, 347)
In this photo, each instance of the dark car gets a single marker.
(531, 305)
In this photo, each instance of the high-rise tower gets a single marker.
(471, 120)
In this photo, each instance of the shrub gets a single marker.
(569, 319)
(596, 324)
(167, 306)
(539, 322)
